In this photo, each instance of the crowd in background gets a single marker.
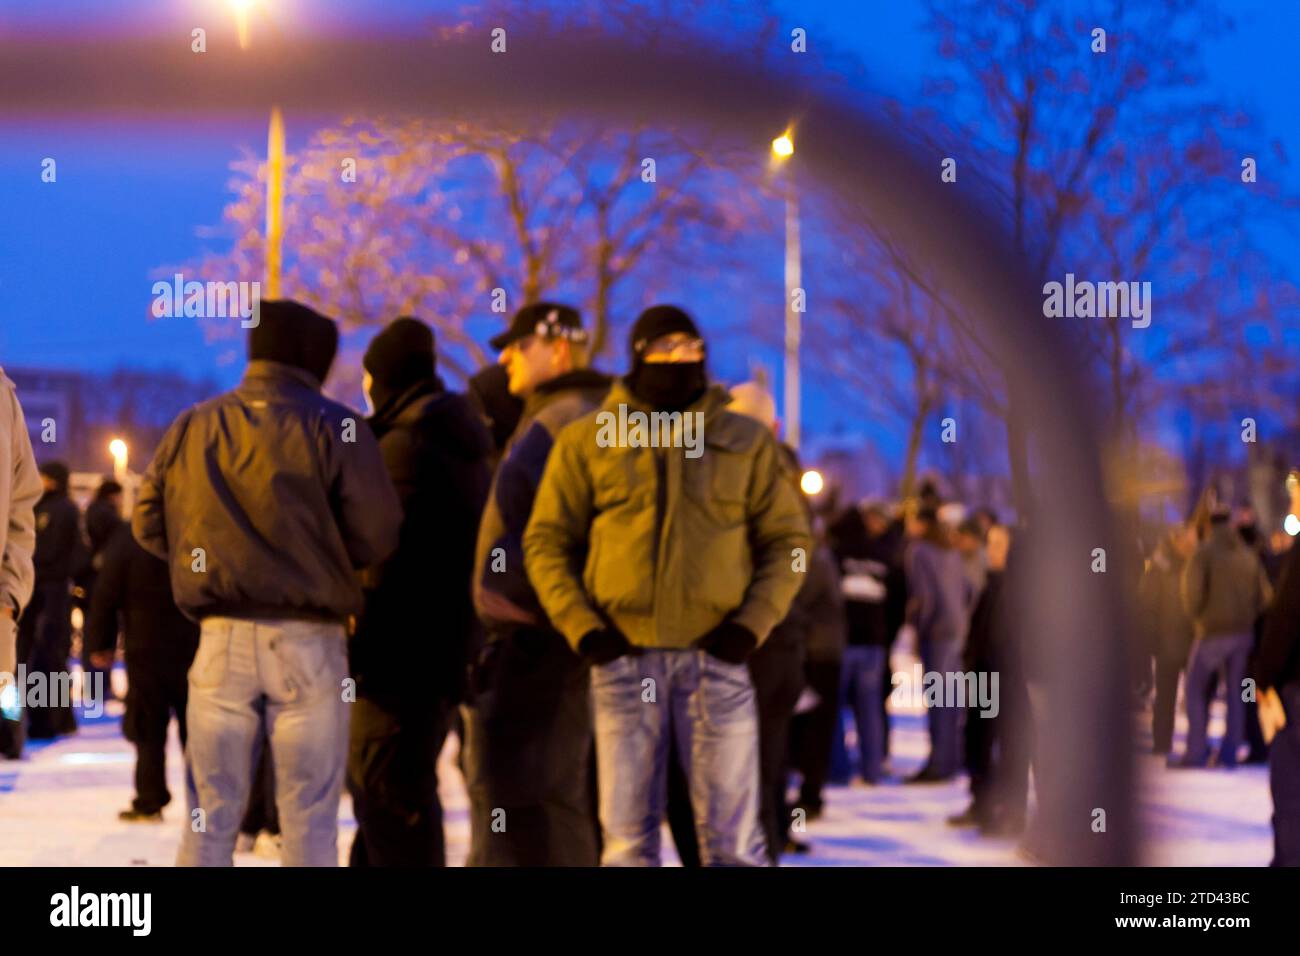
(618, 635)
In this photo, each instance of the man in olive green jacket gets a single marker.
(665, 543)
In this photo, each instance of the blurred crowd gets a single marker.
(620, 634)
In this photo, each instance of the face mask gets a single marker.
(668, 385)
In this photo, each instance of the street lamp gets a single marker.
(117, 448)
(782, 150)
(274, 168)
(241, 9)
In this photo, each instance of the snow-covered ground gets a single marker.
(59, 804)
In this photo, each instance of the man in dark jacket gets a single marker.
(103, 519)
(529, 761)
(997, 744)
(1277, 674)
(265, 502)
(409, 653)
(133, 588)
(45, 632)
(868, 547)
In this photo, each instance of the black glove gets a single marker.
(730, 642)
(603, 645)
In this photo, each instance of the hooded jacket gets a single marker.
(502, 592)
(20, 489)
(662, 544)
(419, 620)
(265, 500)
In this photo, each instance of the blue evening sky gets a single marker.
(76, 259)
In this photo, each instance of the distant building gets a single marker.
(73, 415)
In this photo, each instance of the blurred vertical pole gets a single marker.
(793, 281)
(274, 202)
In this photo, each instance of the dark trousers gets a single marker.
(997, 752)
(812, 734)
(1284, 781)
(261, 813)
(156, 691)
(529, 753)
(44, 642)
(1165, 705)
(393, 779)
(776, 670)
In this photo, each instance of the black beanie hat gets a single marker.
(401, 355)
(655, 322)
(291, 333)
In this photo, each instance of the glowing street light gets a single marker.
(783, 146)
(812, 482)
(242, 8)
(117, 448)
(1291, 525)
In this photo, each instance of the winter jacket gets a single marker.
(61, 550)
(817, 612)
(936, 579)
(134, 589)
(20, 489)
(502, 592)
(662, 546)
(1224, 585)
(1277, 661)
(265, 500)
(871, 579)
(419, 621)
(1168, 628)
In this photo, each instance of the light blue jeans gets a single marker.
(284, 678)
(708, 705)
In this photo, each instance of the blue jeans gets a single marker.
(943, 656)
(286, 676)
(1230, 654)
(861, 684)
(708, 707)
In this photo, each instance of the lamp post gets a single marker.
(782, 150)
(274, 201)
(274, 169)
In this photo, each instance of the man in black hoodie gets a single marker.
(409, 653)
(265, 502)
(529, 760)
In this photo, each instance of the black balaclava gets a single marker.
(291, 333)
(666, 386)
(401, 359)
